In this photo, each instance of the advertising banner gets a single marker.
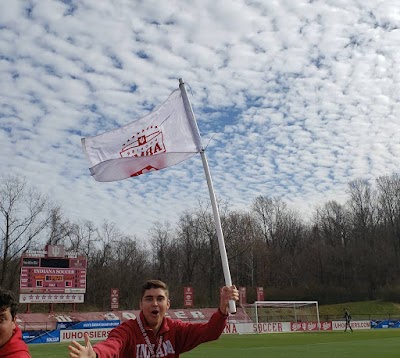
(271, 327)
(385, 324)
(114, 299)
(310, 326)
(33, 337)
(341, 325)
(51, 298)
(242, 295)
(96, 324)
(260, 293)
(68, 335)
(188, 296)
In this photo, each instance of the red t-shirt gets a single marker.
(15, 347)
(127, 341)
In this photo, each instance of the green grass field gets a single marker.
(366, 344)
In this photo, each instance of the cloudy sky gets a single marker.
(293, 98)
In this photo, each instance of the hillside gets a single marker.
(362, 310)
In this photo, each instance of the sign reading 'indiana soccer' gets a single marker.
(52, 276)
(161, 139)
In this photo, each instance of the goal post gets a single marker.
(286, 311)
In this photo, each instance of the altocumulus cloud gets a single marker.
(294, 99)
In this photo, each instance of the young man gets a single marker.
(11, 343)
(152, 334)
(347, 318)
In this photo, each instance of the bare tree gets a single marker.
(190, 242)
(210, 264)
(273, 216)
(161, 240)
(82, 237)
(331, 235)
(389, 212)
(262, 208)
(130, 269)
(332, 220)
(367, 246)
(24, 217)
(282, 231)
(59, 227)
(239, 232)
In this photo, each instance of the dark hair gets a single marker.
(154, 284)
(8, 300)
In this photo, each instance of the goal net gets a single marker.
(286, 311)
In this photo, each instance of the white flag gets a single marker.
(156, 141)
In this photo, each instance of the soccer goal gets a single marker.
(286, 311)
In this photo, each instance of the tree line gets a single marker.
(345, 252)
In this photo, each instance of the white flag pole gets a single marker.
(221, 242)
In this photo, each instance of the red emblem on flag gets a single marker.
(149, 142)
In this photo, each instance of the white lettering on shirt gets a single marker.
(142, 351)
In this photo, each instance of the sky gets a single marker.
(293, 99)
